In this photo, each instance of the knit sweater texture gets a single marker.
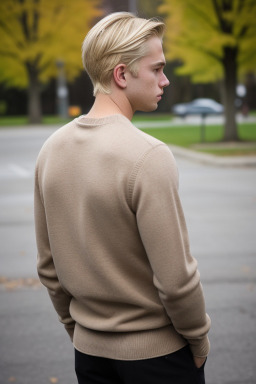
(113, 248)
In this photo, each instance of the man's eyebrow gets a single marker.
(159, 64)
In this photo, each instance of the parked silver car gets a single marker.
(198, 107)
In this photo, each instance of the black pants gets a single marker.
(175, 368)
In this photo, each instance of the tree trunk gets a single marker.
(230, 82)
(34, 99)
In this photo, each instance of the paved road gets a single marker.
(194, 120)
(220, 208)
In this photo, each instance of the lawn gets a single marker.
(190, 137)
(187, 136)
(15, 121)
(139, 116)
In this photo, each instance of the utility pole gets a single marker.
(62, 90)
(133, 6)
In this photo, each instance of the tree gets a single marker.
(35, 35)
(148, 8)
(213, 39)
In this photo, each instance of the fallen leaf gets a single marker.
(17, 283)
(54, 380)
(251, 287)
(246, 269)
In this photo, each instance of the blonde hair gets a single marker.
(118, 38)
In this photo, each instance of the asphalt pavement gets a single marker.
(219, 202)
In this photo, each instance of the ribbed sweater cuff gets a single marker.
(201, 348)
(70, 331)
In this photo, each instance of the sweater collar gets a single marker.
(84, 121)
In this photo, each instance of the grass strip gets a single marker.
(187, 136)
(13, 121)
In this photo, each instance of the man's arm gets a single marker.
(45, 265)
(164, 234)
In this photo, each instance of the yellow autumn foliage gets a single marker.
(40, 32)
(196, 36)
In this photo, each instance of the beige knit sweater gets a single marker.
(113, 248)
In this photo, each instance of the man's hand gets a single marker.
(199, 361)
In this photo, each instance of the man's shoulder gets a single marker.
(126, 144)
(139, 139)
(57, 137)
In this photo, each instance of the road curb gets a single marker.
(221, 161)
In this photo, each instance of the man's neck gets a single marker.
(106, 105)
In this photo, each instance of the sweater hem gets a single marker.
(138, 345)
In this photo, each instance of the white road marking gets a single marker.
(11, 170)
(20, 171)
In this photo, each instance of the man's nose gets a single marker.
(164, 81)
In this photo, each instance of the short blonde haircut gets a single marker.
(118, 38)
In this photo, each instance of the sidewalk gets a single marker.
(205, 158)
(192, 120)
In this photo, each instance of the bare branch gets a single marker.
(36, 18)
(24, 25)
(242, 32)
(8, 54)
(46, 65)
(218, 13)
(240, 6)
(6, 28)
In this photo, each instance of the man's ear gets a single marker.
(119, 75)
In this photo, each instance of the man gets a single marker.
(113, 249)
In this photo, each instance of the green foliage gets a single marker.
(198, 33)
(37, 33)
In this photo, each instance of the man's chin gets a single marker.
(149, 108)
